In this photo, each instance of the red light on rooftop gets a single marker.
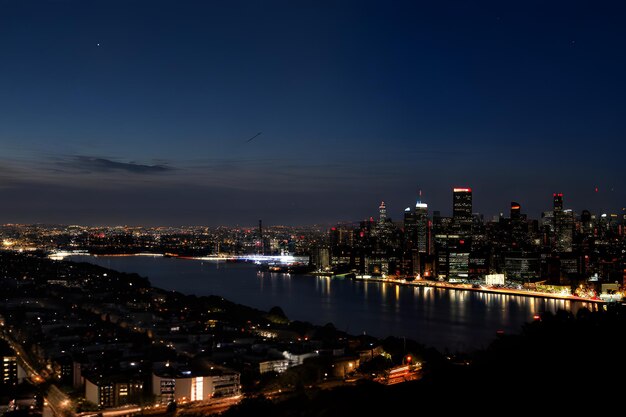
(462, 190)
(462, 242)
(515, 207)
(333, 228)
(537, 317)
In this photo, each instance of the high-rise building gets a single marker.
(384, 231)
(516, 210)
(417, 237)
(518, 226)
(558, 201)
(341, 240)
(410, 228)
(563, 225)
(452, 252)
(462, 203)
(382, 212)
(462, 211)
(565, 230)
(320, 258)
(452, 237)
(586, 224)
(422, 224)
(522, 266)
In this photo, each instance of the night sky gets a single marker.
(149, 112)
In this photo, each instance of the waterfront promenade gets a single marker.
(469, 287)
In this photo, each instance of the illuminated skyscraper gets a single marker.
(516, 211)
(462, 211)
(417, 227)
(410, 259)
(563, 225)
(518, 225)
(417, 237)
(452, 253)
(422, 227)
(558, 201)
(382, 212)
(410, 228)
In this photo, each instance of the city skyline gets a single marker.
(221, 114)
(513, 209)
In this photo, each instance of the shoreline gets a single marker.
(521, 293)
(421, 283)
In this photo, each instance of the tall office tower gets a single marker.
(557, 215)
(558, 201)
(341, 236)
(516, 211)
(382, 212)
(462, 203)
(565, 236)
(422, 227)
(518, 225)
(452, 257)
(586, 224)
(320, 258)
(563, 225)
(462, 211)
(417, 237)
(410, 259)
(410, 229)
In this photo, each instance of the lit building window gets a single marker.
(197, 389)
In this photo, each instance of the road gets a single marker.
(55, 400)
(212, 406)
(23, 358)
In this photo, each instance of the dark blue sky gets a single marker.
(139, 112)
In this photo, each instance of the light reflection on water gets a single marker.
(458, 320)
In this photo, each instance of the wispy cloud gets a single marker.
(234, 172)
(91, 164)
